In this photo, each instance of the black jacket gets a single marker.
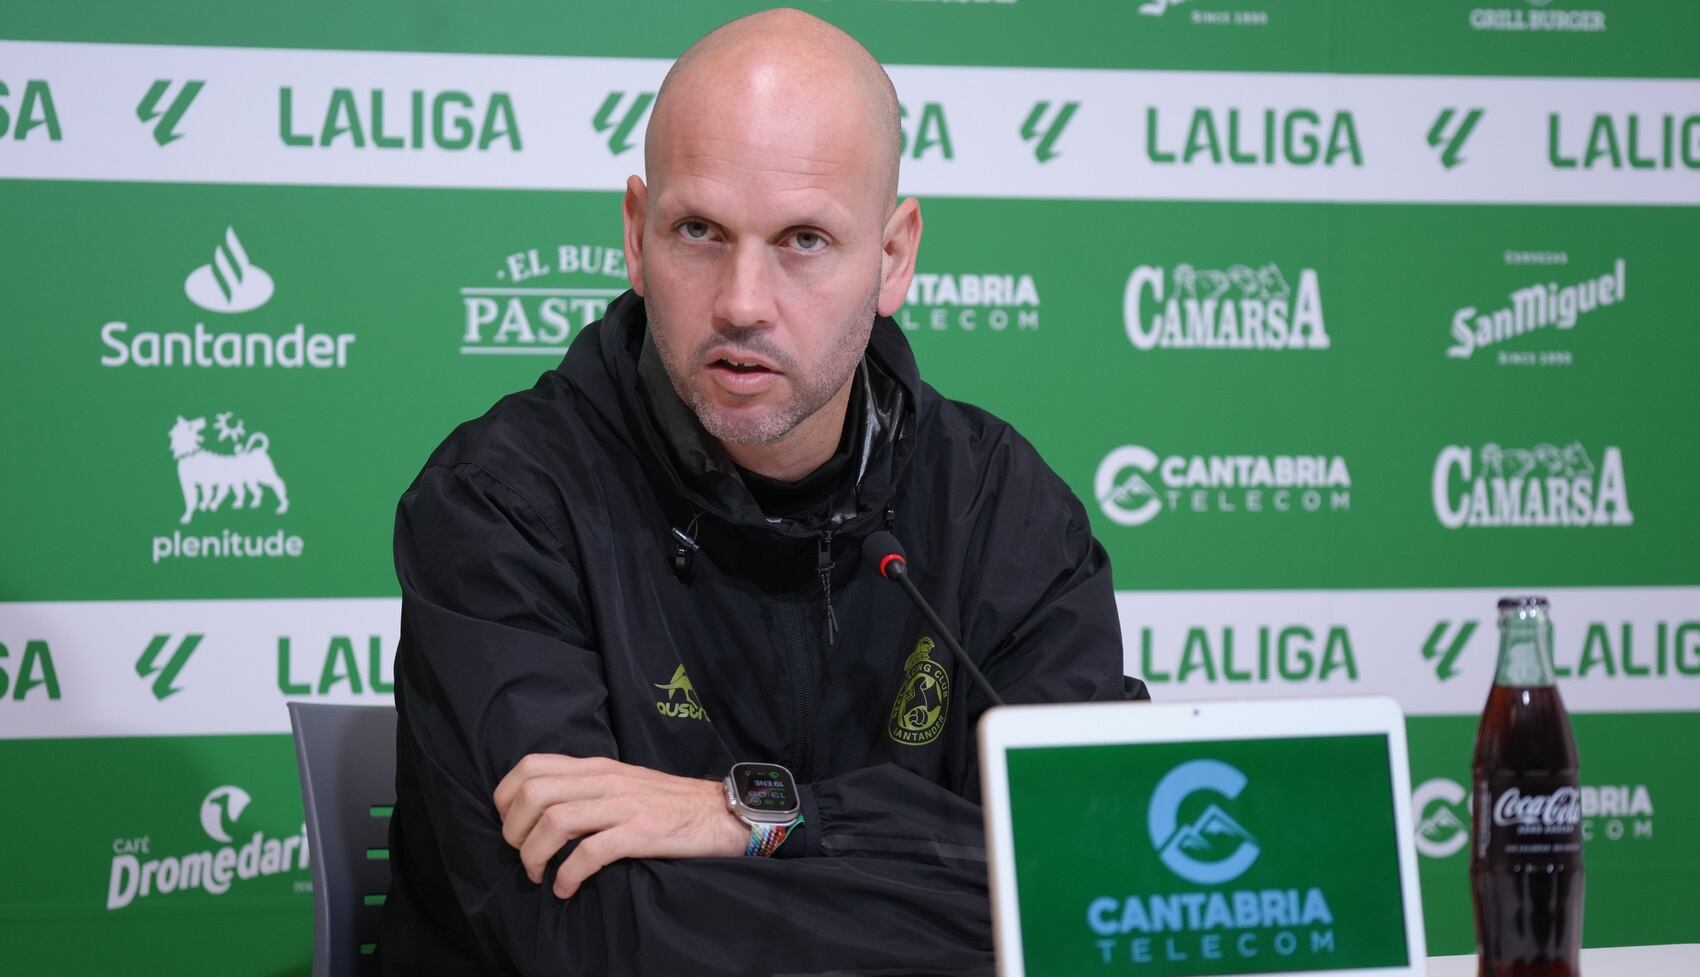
(542, 612)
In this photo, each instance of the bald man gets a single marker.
(656, 717)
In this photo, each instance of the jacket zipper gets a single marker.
(824, 565)
(803, 687)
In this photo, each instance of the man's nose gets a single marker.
(746, 297)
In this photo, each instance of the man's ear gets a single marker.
(632, 215)
(897, 254)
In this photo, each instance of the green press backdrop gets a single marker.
(1343, 318)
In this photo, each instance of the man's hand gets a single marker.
(619, 810)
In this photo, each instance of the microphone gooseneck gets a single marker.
(885, 554)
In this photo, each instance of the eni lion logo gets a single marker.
(207, 477)
(917, 717)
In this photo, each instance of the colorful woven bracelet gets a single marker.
(765, 839)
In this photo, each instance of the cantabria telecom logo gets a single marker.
(207, 477)
(1609, 812)
(1545, 307)
(1238, 307)
(985, 302)
(1133, 484)
(213, 870)
(1213, 849)
(543, 296)
(1546, 485)
(230, 284)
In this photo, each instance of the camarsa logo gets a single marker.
(1237, 307)
(918, 713)
(1545, 485)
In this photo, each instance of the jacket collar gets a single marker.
(683, 457)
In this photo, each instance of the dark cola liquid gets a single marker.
(1526, 842)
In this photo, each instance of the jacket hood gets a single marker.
(604, 362)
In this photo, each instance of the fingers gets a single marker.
(561, 824)
(538, 765)
(535, 796)
(591, 856)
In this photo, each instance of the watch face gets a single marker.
(765, 787)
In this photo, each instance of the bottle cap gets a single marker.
(1522, 604)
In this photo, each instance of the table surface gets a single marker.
(1670, 960)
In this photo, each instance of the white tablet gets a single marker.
(1165, 839)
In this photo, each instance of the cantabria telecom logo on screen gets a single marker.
(1545, 485)
(1212, 849)
(213, 870)
(1133, 484)
(241, 474)
(230, 284)
(1237, 307)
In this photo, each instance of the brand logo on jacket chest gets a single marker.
(687, 706)
(917, 715)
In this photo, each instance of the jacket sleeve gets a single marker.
(1043, 628)
(496, 662)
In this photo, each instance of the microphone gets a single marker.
(885, 554)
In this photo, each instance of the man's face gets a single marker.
(760, 263)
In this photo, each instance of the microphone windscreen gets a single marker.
(880, 545)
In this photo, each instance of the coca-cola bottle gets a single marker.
(1526, 813)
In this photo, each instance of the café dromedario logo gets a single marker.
(139, 872)
(225, 471)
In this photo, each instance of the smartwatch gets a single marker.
(764, 796)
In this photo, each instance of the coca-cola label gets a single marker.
(1520, 819)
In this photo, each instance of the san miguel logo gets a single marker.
(235, 472)
(918, 713)
(1536, 307)
(1237, 307)
(1546, 485)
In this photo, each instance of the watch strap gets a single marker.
(765, 838)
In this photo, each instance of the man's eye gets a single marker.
(695, 230)
(808, 241)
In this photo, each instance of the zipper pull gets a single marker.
(824, 564)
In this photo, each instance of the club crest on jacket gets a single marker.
(917, 716)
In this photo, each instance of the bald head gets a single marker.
(775, 71)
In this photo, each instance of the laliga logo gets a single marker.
(1121, 486)
(224, 804)
(231, 283)
(1229, 848)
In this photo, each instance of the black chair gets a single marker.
(347, 759)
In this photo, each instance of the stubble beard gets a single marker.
(811, 392)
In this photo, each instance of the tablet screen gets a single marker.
(1247, 856)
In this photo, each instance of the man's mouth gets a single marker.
(741, 365)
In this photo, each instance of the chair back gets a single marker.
(346, 755)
